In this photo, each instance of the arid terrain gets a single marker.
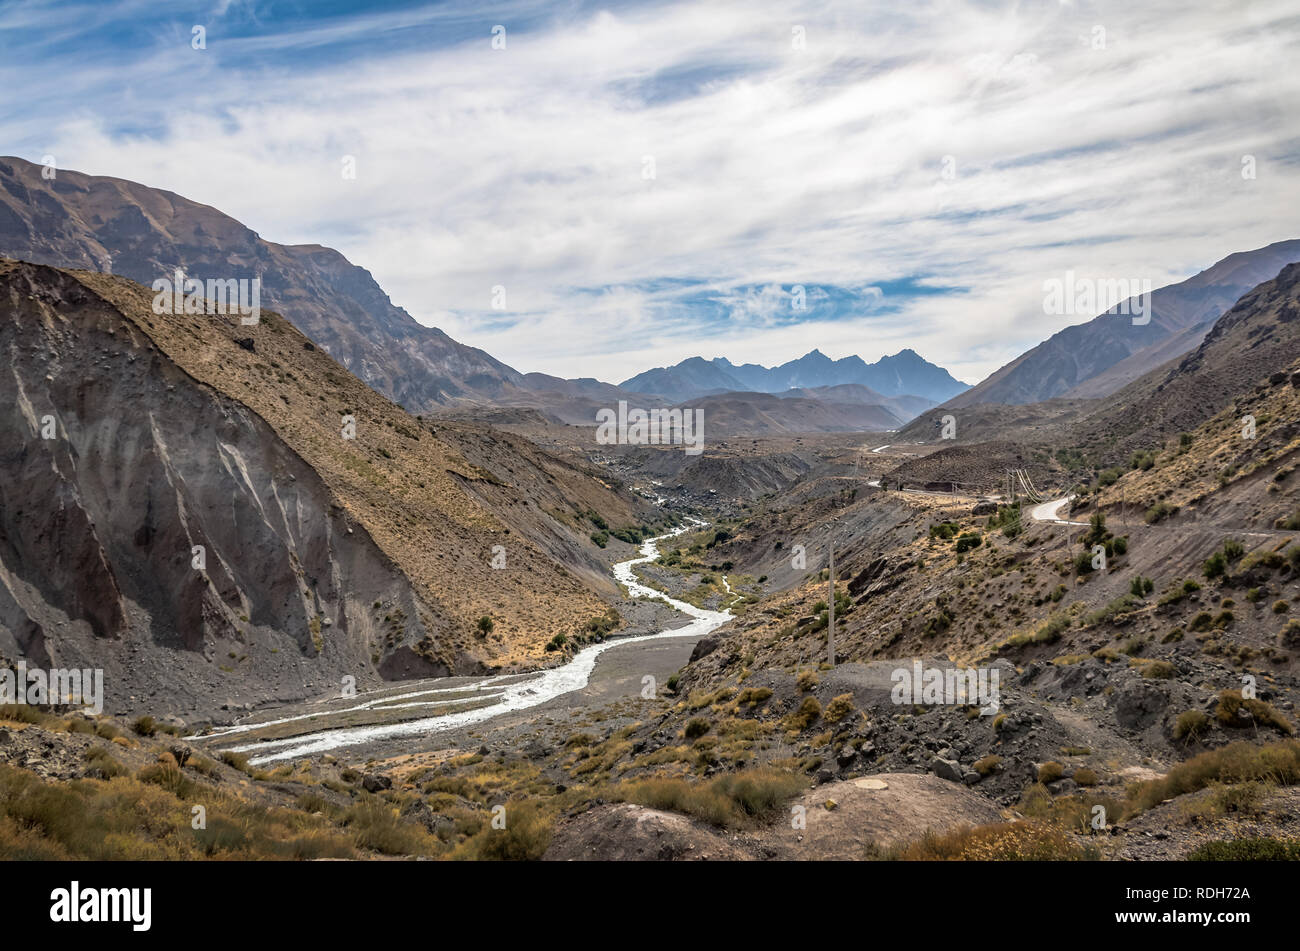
(1058, 629)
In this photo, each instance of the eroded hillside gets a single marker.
(322, 556)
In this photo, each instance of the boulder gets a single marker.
(947, 769)
(1138, 705)
(705, 647)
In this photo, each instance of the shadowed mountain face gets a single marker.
(112, 225)
(903, 407)
(689, 379)
(1094, 359)
(1255, 344)
(905, 373)
(121, 227)
(136, 442)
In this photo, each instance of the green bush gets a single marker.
(1159, 670)
(1239, 762)
(1159, 512)
(729, 800)
(525, 838)
(375, 825)
(1097, 533)
(103, 763)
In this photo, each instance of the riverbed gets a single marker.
(468, 702)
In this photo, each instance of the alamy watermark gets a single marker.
(655, 427)
(189, 295)
(1086, 297)
(76, 903)
(57, 686)
(955, 686)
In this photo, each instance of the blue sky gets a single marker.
(650, 182)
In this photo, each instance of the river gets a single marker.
(510, 692)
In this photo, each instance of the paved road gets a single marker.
(1046, 512)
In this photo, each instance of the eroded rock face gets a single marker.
(705, 647)
(1138, 704)
(151, 526)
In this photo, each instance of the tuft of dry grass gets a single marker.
(808, 713)
(1241, 762)
(1234, 710)
(728, 800)
(1020, 841)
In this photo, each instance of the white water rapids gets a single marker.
(511, 691)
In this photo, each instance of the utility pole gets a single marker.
(830, 608)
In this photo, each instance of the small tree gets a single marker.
(1096, 530)
(485, 626)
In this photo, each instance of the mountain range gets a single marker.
(905, 373)
(224, 517)
(117, 226)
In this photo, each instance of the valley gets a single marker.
(388, 622)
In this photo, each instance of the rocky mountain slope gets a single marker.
(1072, 361)
(116, 226)
(133, 438)
(904, 407)
(1255, 344)
(1257, 338)
(1121, 687)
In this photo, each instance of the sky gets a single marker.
(598, 189)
